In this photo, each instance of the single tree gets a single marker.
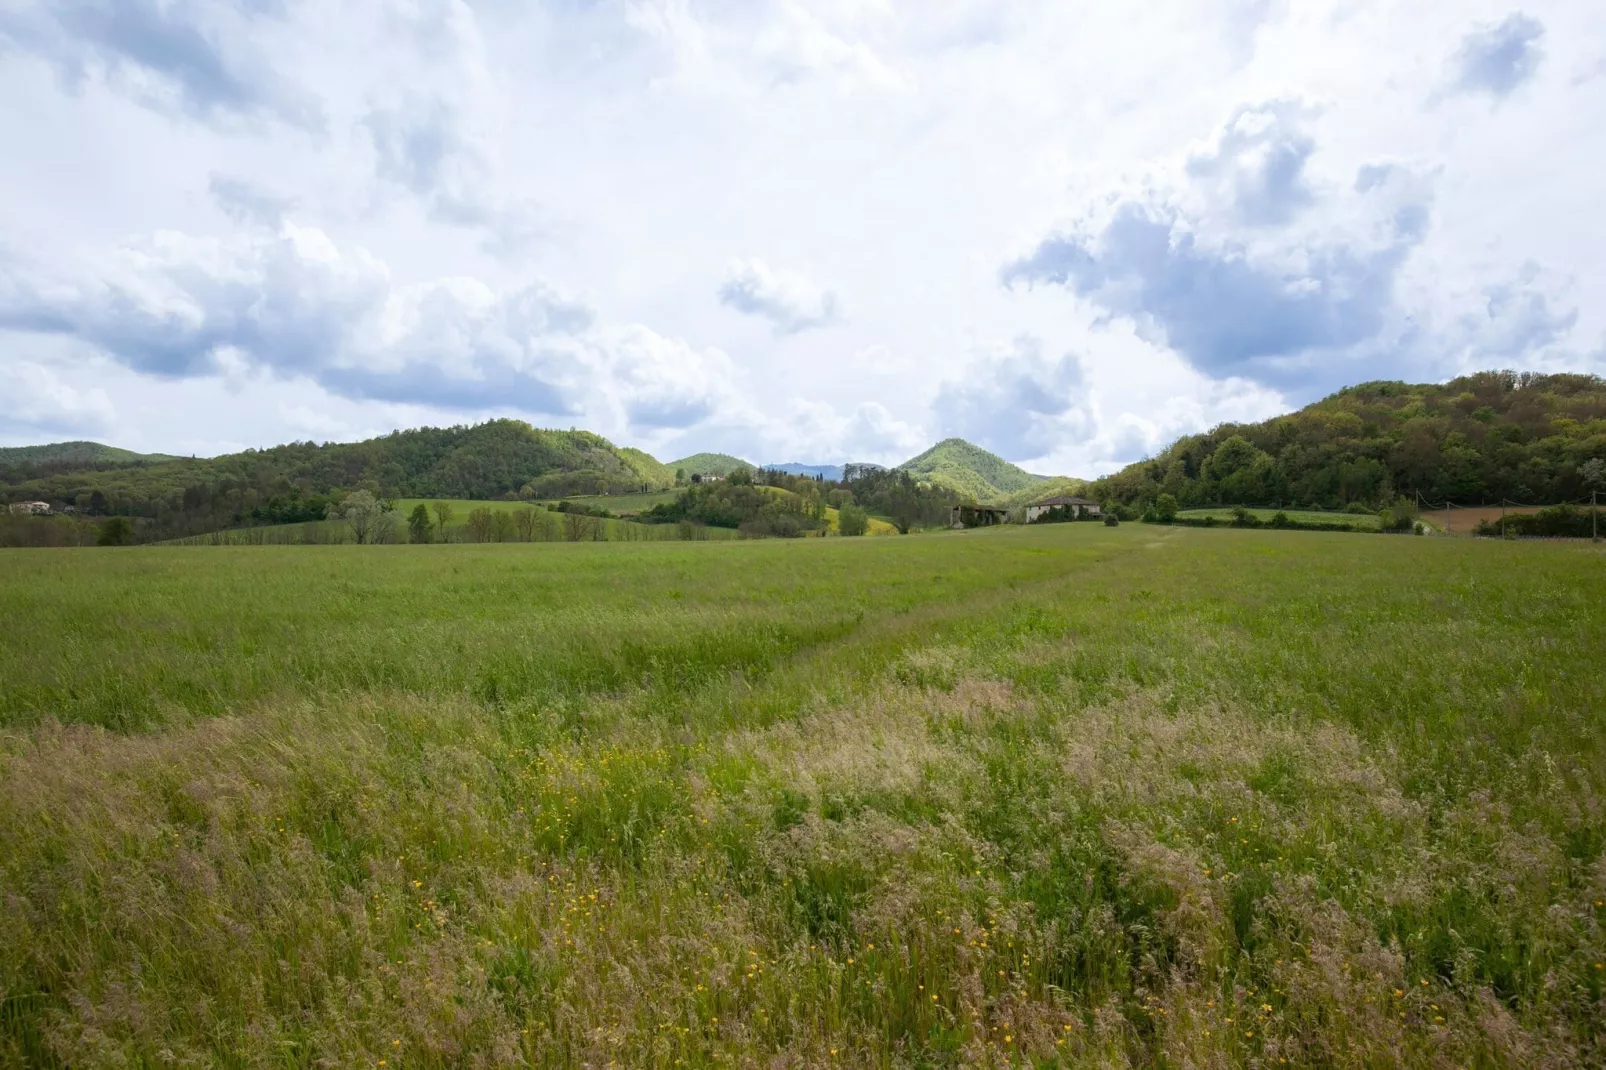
(118, 531)
(418, 528)
(362, 513)
(1165, 508)
(443, 516)
(481, 523)
(525, 519)
(851, 520)
(503, 526)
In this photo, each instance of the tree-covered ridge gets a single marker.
(709, 464)
(1479, 438)
(1050, 487)
(484, 461)
(969, 470)
(76, 455)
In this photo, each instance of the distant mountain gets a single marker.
(708, 464)
(186, 496)
(831, 472)
(75, 455)
(970, 470)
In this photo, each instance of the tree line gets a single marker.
(1477, 439)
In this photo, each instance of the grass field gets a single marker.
(1061, 795)
(626, 504)
(1366, 521)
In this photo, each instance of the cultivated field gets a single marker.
(1063, 795)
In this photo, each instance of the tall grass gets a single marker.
(1057, 796)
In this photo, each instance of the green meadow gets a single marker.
(1225, 515)
(1064, 795)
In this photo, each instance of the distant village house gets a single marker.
(30, 508)
(1082, 506)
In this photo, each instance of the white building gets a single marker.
(30, 508)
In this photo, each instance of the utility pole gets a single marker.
(1594, 516)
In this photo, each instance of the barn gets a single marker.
(1069, 503)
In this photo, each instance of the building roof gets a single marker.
(1066, 499)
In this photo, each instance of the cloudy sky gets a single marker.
(812, 230)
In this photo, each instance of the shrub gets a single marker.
(118, 531)
(852, 520)
(1111, 520)
(1358, 508)
(1165, 508)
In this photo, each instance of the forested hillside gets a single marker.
(490, 460)
(709, 464)
(1480, 438)
(969, 470)
(75, 454)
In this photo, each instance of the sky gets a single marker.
(820, 231)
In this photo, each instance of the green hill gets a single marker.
(970, 470)
(1481, 438)
(75, 454)
(1050, 487)
(188, 496)
(709, 464)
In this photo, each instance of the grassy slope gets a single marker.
(1057, 793)
(1359, 520)
(704, 464)
(75, 453)
(627, 504)
(970, 470)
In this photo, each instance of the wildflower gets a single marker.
(1008, 1039)
(1266, 1007)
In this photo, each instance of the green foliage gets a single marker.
(490, 460)
(418, 525)
(1165, 509)
(755, 511)
(710, 464)
(74, 455)
(895, 494)
(117, 531)
(969, 471)
(852, 520)
(1051, 487)
(1560, 522)
(1527, 437)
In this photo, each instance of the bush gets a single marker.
(852, 520)
(1558, 522)
(1165, 508)
(1111, 520)
(118, 531)
(1358, 508)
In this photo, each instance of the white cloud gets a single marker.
(349, 217)
(39, 402)
(295, 305)
(788, 300)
